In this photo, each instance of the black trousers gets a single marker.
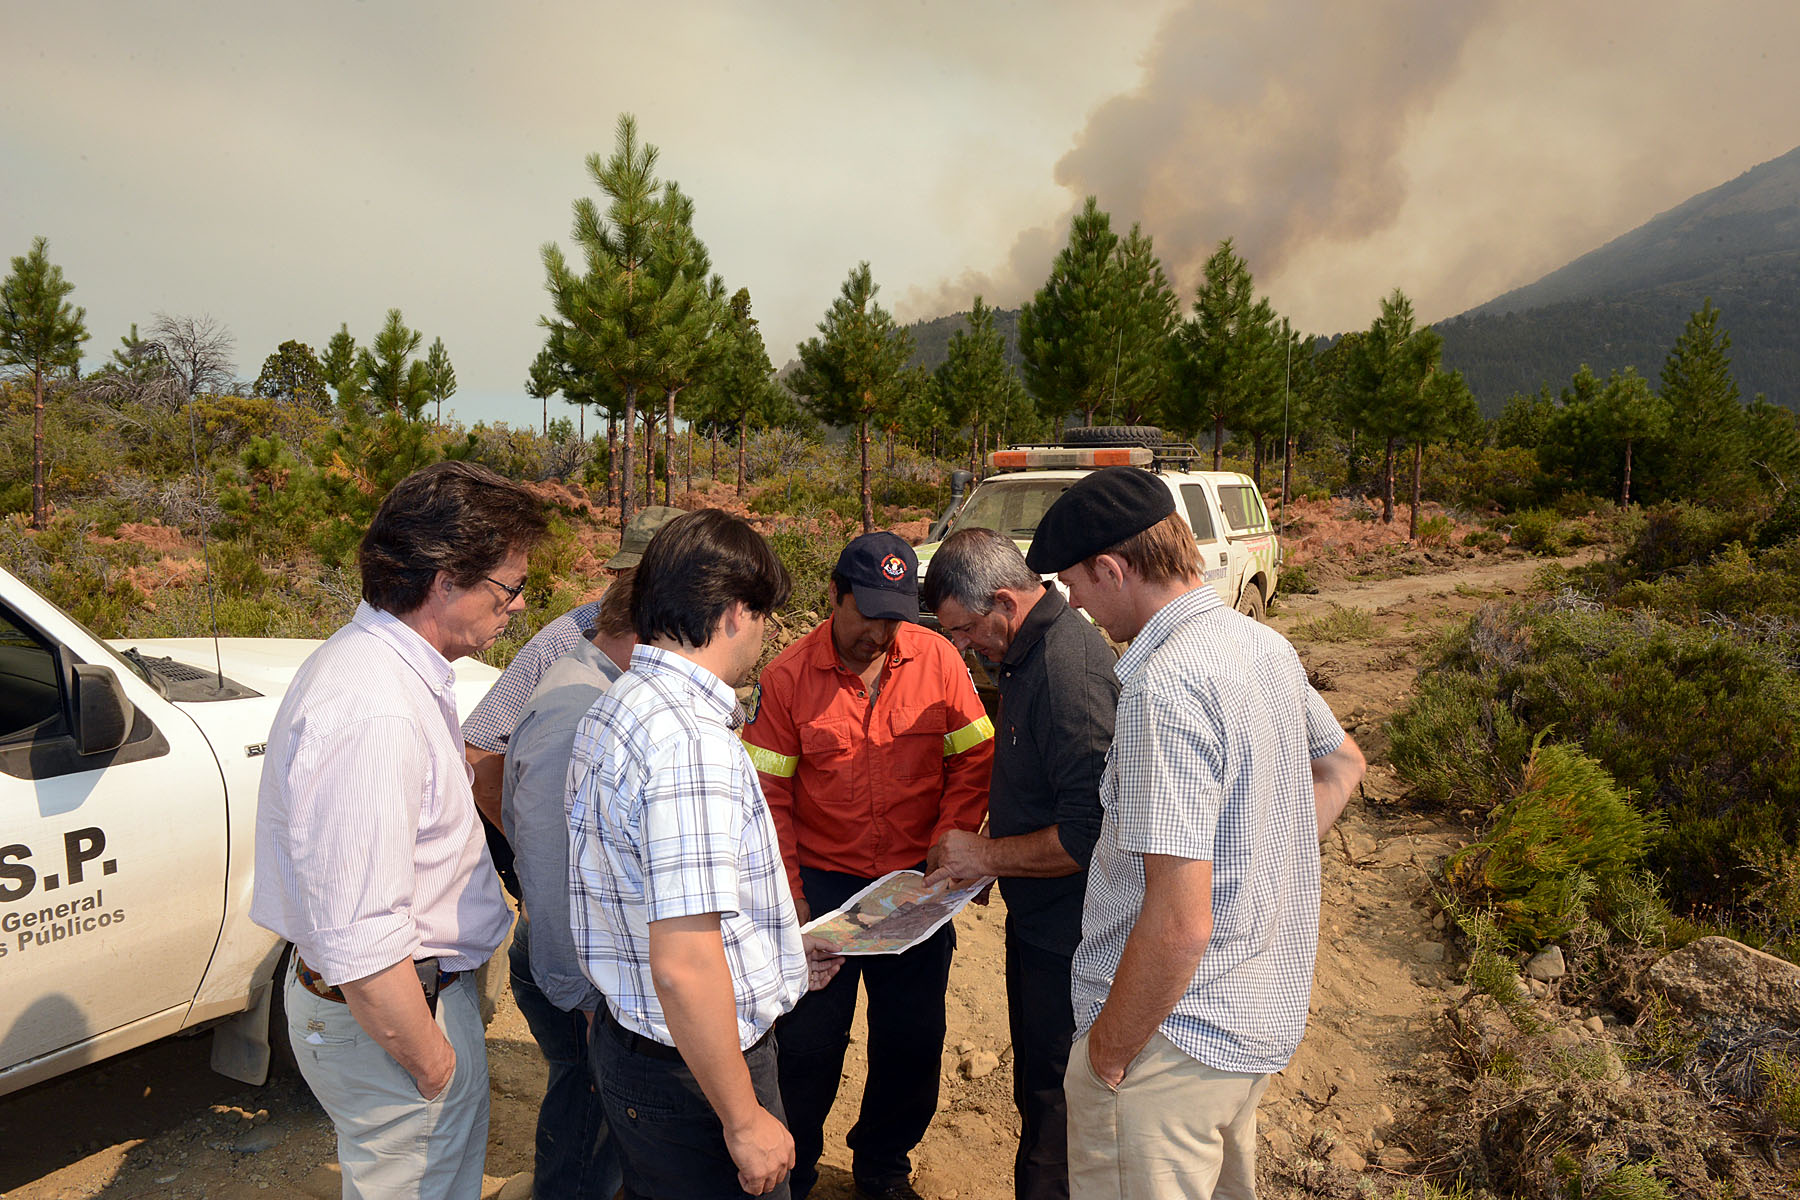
(906, 1044)
(1042, 1019)
(670, 1142)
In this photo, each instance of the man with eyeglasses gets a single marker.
(370, 858)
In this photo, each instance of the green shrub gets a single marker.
(1567, 830)
(1696, 721)
(1435, 531)
(1486, 540)
(1339, 625)
(1540, 531)
(1295, 582)
(1780, 1078)
(1455, 745)
(1674, 535)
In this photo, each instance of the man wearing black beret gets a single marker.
(1201, 919)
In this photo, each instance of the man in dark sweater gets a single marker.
(1057, 696)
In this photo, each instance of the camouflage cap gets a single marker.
(638, 532)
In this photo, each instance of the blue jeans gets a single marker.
(575, 1156)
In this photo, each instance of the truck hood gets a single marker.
(267, 665)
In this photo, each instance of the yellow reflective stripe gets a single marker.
(968, 737)
(782, 766)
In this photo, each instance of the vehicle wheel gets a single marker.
(1114, 435)
(1250, 603)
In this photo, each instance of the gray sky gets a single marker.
(287, 168)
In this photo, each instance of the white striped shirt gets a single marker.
(667, 819)
(368, 848)
(1211, 761)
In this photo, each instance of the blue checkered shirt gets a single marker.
(1211, 761)
(667, 819)
(491, 725)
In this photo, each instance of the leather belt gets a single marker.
(315, 983)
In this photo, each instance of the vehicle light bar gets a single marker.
(1049, 457)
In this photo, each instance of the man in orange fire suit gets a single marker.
(871, 744)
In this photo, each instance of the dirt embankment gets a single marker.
(159, 1123)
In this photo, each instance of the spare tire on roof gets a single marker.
(1114, 435)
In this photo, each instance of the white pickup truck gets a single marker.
(1240, 554)
(128, 781)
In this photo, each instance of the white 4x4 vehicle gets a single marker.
(128, 780)
(1240, 555)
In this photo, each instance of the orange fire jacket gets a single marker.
(866, 788)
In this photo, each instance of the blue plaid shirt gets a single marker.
(490, 726)
(1211, 761)
(667, 819)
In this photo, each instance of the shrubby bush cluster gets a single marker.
(1675, 669)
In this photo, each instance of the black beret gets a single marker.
(1099, 512)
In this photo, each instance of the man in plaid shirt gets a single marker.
(1201, 921)
(679, 903)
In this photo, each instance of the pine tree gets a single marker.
(971, 381)
(743, 380)
(440, 376)
(343, 371)
(694, 308)
(611, 312)
(543, 380)
(1630, 413)
(1069, 334)
(1231, 353)
(1707, 454)
(292, 375)
(41, 333)
(1444, 404)
(398, 383)
(851, 373)
(1145, 349)
(1384, 380)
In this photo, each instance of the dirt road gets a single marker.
(159, 1123)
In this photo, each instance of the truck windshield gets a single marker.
(1012, 507)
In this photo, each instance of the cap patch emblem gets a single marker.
(894, 567)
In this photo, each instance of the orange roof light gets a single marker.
(1069, 458)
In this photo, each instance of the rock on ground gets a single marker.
(1727, 982)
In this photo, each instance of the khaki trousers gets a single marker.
(1174, 1128)
(392, 1143)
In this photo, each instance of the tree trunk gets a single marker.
(1218, 443)
(690, 457)
(1625, 492)
(1387, 485)
(743, 436)
(546, 399)
(868, 498)
(37, 446)
(1412, 524)
(612, 461)
(581, 418)
(715, 451)
(627, 499)
(668, 442)
(1256, 460)
(649, 458)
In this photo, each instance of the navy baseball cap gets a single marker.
(883, 573)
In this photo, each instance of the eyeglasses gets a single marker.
(512, 593)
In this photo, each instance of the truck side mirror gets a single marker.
(103, 715)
